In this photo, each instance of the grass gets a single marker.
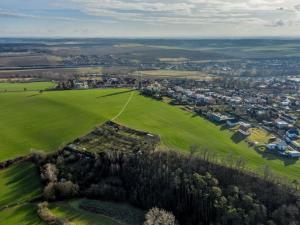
(71, 211)
(19, 184)
(45, 121)
(20, 215)
(259, 135)
(35, 86)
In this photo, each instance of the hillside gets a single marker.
(48, 120)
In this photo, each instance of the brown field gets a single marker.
(29, 60)
(174, 74)
(173, 60)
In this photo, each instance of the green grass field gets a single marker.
(45, 121)
(19, 184)
(71, 211)
(36, 86)
(20, 215)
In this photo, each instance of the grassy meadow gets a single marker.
(30, 120)
(113, 213)
(20, 215)
(19, 184)
(35, 86)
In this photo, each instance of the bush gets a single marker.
(46, 215)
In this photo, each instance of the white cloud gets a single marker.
(263, 12)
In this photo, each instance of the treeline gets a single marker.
(195, 190)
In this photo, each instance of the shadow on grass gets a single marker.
(223, 127)
(30, 96)
(273, 156)
(23, 214)
(238, 137)
(115, 93)
(194, 115)
(22, 183)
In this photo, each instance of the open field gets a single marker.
(36, 86)
(20, 215)
(122, 213)
(19, 184)
(173, 60)
(71, 211)
(45, 121)
(174, 74)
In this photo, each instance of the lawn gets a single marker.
(19, 184)
(45, 121)
(35, 86)
(121, 213)
(260, 136)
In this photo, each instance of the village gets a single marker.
(263, 112)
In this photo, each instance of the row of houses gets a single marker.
(289, 146)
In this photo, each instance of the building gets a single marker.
(293, 154)
(296, 145)
(280, 124)
(81, 85)
(217, 117)
(232, 122)
(279, 145)
(292, 134)
(244, 128)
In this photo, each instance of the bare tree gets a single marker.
(156, 216)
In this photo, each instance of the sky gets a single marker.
(149, 18)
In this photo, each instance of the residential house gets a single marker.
(244, 129)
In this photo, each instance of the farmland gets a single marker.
(46, 121)
(36, 86)
(174, 74)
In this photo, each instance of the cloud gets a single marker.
(15, 14)
(279, 23)
(297, 7)
(262, 12)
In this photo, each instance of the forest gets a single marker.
(195, 190)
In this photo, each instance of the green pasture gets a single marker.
(19, 184)
(35, 86)
(20, 215)
(119, 214)
(30, 120)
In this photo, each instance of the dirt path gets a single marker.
(124, 107)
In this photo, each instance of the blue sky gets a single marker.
(149, 18)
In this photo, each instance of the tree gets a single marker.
(156, 216)
(49, 192)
